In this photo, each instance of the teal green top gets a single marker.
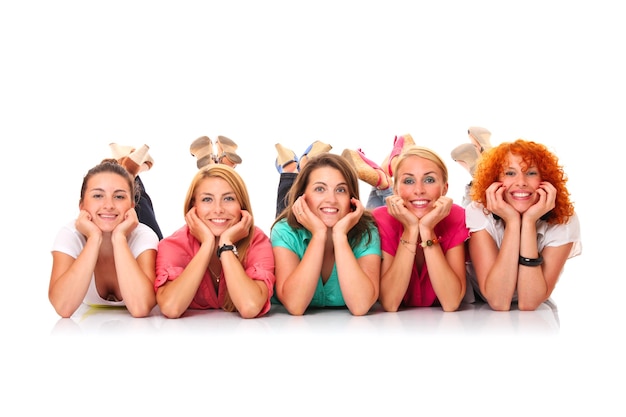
(297, 240)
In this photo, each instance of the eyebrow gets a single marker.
(98, 189)
(410, 174)
(323, 183)
(213, 195)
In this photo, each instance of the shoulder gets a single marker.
(258, 235)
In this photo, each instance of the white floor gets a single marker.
(471, 319)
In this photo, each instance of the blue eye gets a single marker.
(342, 190)
(429, 180)
(408, 181)
(206, 199)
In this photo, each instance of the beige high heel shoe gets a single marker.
(480, 137)
(285, 157)
(465, 154)
(226, 152)
(134, 160)
(202, 149)
(313, 149)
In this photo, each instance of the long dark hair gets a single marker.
(338, 162)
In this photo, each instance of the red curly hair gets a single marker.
(494, 161)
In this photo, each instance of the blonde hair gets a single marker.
(235, 181)
(425, 153)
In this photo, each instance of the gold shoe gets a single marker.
(466, 156)
(366, 169)
(315, 148)
(226, 149)
(202, 149)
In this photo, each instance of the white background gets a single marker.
(78, 75)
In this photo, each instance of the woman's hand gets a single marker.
(345, 224)
(397, 209)
(129, 223)
(497, 205)
(306, 217)
(239, 230)
(85, 225)
(441, 210)
(545, 202)
(197, 227)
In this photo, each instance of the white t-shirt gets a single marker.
(71, 241)
(547, 234)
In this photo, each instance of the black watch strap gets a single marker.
(225, 247)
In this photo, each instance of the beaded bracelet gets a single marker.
(429, 242)
(530, 261)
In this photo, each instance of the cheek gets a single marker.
(201, 210)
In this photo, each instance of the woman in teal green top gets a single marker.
(326, 245)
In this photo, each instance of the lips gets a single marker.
(420, 203)
(520, 195)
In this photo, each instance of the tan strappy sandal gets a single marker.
(202, 149)
(226, 149)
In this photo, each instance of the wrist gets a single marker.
(226, 248)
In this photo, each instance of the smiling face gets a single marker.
(327, 195)
(521, 182)
(420, 182)
(216, 204)
(107, 198)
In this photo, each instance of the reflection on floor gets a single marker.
(470, 319)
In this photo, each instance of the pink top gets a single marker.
(177, 250)
(451, 232)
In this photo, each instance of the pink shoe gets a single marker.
(398, 145)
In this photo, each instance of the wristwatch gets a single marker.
(226, 247)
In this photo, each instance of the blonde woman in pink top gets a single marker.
(219, 259)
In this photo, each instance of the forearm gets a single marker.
(532, 288)
(297, 291)
(136, 286)
(249, 296)
(394, 282)
(68, 290)
(175, 296)
(359, 288)
(501, 280)
(448, 283)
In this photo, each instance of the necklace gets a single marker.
(215, 276)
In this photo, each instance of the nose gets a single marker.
(418, 188)
(521, 180)
(218, 207)
(109, 202)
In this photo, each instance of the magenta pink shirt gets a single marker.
(451, 232)
(176, 251)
